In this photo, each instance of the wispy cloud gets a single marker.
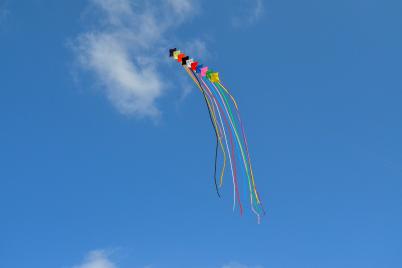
(96, 259)
(101, 259)
(238, 265)
(197, 48)
(181, 6)
(251, 12)
(4, 11)
(124, 49)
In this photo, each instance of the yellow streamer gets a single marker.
(215, 124)
(249, 162)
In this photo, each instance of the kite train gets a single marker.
(229, 131)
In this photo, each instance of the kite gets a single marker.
(228, 129)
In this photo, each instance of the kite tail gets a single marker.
(256, 195)
(212, 118)
(229, 131)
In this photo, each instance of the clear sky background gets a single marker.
(106, 149)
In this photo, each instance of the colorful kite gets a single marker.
(226, 121)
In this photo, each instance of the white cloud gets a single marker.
(197, 49)
(132, 88)
(258, 10)
(251, 12)
(115, 10)
(101, 259)
(181, 6)
(126, 47)
(4, 12)
(96, 259)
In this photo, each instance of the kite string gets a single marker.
(231, 119)
(247, 150)
(213, 98)
(213, 101)
(220, 127)
(233, 123)
(215, 130)
(246, 144)
(244, 160)
(234, 165)
(222, 130)
(220, 111)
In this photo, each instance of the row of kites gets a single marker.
(229, 133)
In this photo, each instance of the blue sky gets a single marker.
(106, 148)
